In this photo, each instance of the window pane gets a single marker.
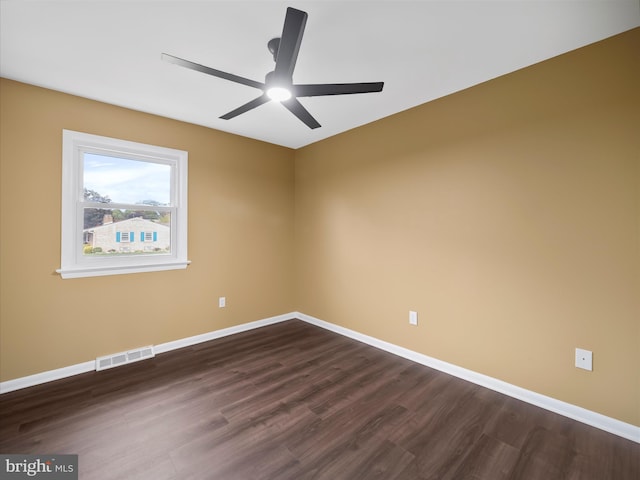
(111, 231)
(121, 180)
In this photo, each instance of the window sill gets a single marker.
(99, 271)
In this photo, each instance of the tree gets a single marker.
(146, 214)
(154, 203)
(95, 216)
(93, 196)
(118, 215)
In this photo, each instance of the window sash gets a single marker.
(128, 155)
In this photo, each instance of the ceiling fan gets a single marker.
(278, 84)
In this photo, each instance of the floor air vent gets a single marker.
(122, 358)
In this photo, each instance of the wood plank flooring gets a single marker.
(293, 401)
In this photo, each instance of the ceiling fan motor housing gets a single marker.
(273, 45)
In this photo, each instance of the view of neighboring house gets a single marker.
(134, 235)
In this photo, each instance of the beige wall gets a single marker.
(507, 215)
(240, 237)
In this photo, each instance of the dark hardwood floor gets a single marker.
(293, 401)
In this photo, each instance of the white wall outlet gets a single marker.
(413, 317)
(584, 359)
(222, 302)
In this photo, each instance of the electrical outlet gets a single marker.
(584, 359)
(222, 302)
(413, 317)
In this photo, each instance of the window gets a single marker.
(124, 207)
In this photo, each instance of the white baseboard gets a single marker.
(205, 337)
(60, 373)
(44, 377)
(608, 424)
(574, 412)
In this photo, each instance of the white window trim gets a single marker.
(73, 265)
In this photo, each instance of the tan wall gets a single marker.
(240, 237)
(507, 215)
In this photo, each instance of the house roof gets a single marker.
(138, 221)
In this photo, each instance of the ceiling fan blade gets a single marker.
(295, 107)
(211, 71)
(290, 41)
(336, 89)
(256, 102)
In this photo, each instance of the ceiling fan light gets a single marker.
(279, 94)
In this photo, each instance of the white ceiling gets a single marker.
(110, 51)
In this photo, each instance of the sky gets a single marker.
(127, 181)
